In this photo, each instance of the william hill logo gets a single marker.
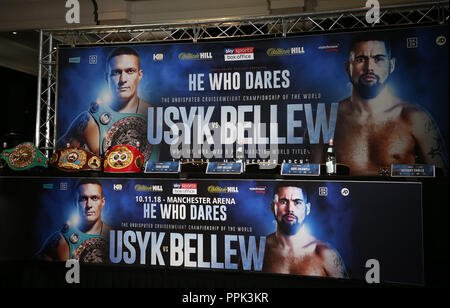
(139, 187)
(223, 190)
(195, 56)
(275, 52)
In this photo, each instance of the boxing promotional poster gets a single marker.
(314, 228)
(380, 95)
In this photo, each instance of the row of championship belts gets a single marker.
(119, 158)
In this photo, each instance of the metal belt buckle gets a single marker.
(129, 131)
(92, 250)
(75, 159)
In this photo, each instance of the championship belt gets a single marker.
(72, 159)
(24, 156)
(92, 250)
(123, 158)
(122, 129)
(2, 161)
(86, 248)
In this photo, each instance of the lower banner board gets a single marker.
(354, 230)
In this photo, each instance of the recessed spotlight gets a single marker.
(14, 32)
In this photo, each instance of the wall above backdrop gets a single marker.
(26, 16)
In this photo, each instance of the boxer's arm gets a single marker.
(83, 132)
(51, 248)
(429, 141)
(75, 135)
(333, 263)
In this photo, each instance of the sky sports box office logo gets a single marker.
(184, 189)
(239, 54)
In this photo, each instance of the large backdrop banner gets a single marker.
(382, 96)
(314, 228)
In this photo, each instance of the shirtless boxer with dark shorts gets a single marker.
(374, 128)
(291, 249)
